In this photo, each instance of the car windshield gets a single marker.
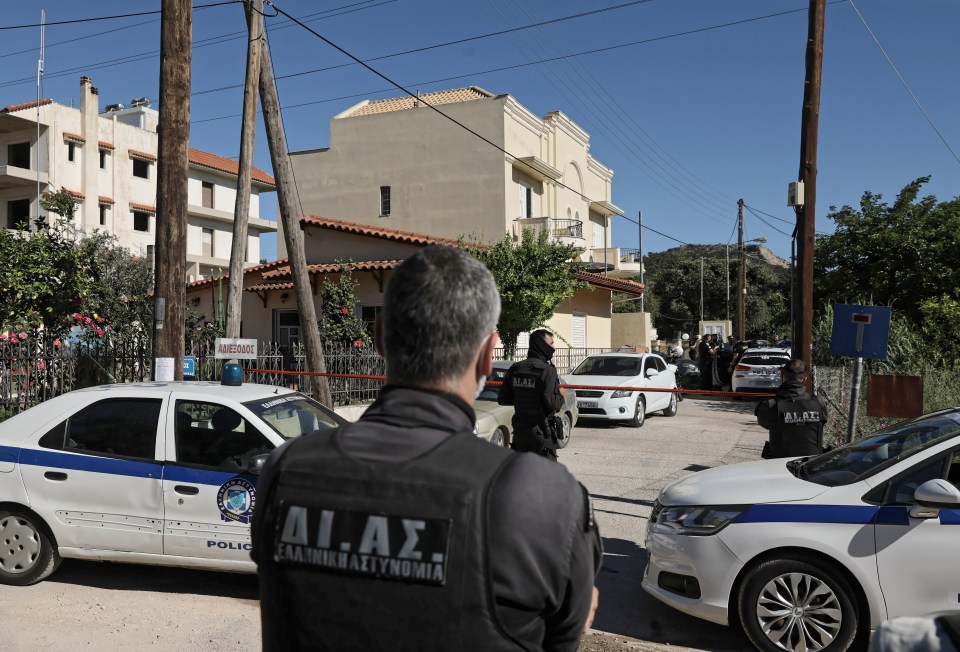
(294, 415)
(492, 392)
(609, 366)
(864, 457)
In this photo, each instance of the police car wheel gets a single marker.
(26, 554)
(671, 410)
(641, 414)
(798, 603)
(567, 430)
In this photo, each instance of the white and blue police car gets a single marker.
(152, 472)
(810, 553)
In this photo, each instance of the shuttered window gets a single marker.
(578, 331)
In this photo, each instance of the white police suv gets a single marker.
(809, 553)
(155, 473)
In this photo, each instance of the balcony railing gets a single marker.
(629, 255)
(555, 228)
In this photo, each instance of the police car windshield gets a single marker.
(293, 415)
(864, 457)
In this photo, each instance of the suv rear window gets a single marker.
(769, 360)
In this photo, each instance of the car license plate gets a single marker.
(586, 404)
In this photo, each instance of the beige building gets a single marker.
(108, 162)
(399, 164)
(270, 302)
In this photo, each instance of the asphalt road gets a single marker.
(89, 605)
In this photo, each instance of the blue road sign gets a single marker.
(189, 368)
(860, 331)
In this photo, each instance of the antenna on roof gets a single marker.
(43, 18)
(416, 100)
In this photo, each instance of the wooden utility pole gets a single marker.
(176, 19)
(803, 325)
(741, 277)
(292, 233)
(241, 213)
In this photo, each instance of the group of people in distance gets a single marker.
(717, 359)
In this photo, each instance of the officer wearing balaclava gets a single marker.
(532, 386)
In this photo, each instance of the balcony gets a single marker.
(12, 176)
(621, 263)
(566, 231)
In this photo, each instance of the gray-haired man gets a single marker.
(405, 531)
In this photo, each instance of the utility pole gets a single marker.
(803, 335)
(640, 252)
(241, 213)
(292, 233)
(741, 277)
(176, 18)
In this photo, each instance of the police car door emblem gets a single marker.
(382, 546)
(235, 499)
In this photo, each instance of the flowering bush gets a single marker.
(339, 324)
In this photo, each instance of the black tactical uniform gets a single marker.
(532, 386)
(795, 421)
(405, 531)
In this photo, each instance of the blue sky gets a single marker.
(689, 123)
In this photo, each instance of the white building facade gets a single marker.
(108, 162)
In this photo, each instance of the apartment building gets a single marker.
(399, 164)
(108, 161)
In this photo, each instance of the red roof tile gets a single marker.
(105, 145)
(329, 268)
(144, 155)
(256, 268)
(105, 200)
(76, 194)
(436, 98)
(25, 105)
(223, 164)
(143, 207)
(376, 231)
(609, 283)
(270, 286)
(76, 137)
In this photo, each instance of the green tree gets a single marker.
(339, 322)
(60, 202)
(533, 278)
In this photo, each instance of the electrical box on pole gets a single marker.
(795, 193)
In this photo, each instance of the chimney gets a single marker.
(89, 100)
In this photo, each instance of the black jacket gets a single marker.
(532, 386)
(795, 421)
(537, 557)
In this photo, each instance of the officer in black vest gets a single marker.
(403, 530)
(532, 386)
(794, 418)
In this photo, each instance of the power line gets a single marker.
(113, 17)
(904, 82)
(756, 215)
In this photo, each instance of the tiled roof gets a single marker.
(143, 207)
(376, 231)
(144, 155)
(76, 194)
(105, 200)
(266, 287)
(256, 268)
(609, 283)
(223, 164)
(329, 268)
(105, 145)
(25, 105)
(434, 99)
(76, 137)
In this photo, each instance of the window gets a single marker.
(599, 242)
(141, 221)
(104, 213)
(216, 436)
(900, 491)
(369, 314)
(206, 239)
(526, 200)
(384, 201)
(287, 328)
(207, 197)
(124, 427)
(103, 159)
(18, 155)
(71, 152)
(18, 214)
(141, 168)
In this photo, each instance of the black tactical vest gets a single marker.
(380, 556)
(528, 383)
(798, 428)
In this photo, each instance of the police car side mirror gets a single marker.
(936, 494)
(255, 465)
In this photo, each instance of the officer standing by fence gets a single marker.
(404, 530)
(532, 386)
(794, 418)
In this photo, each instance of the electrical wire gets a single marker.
(113, 17)
(756, 215)
(905, 85)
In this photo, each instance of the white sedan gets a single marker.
(155, 473)
(810, 553)
(758, 370)
(627, 370)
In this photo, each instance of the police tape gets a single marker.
(673, 390)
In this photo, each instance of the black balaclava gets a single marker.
(539, 348)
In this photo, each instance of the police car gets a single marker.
(155, 473)
(809, 553)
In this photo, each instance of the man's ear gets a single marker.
(378, 336)
(485, 359)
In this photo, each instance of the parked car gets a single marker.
(688, 374)
(625, 370)
(758, 370)
(809, 553)
(494, 422)
(154, 473)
